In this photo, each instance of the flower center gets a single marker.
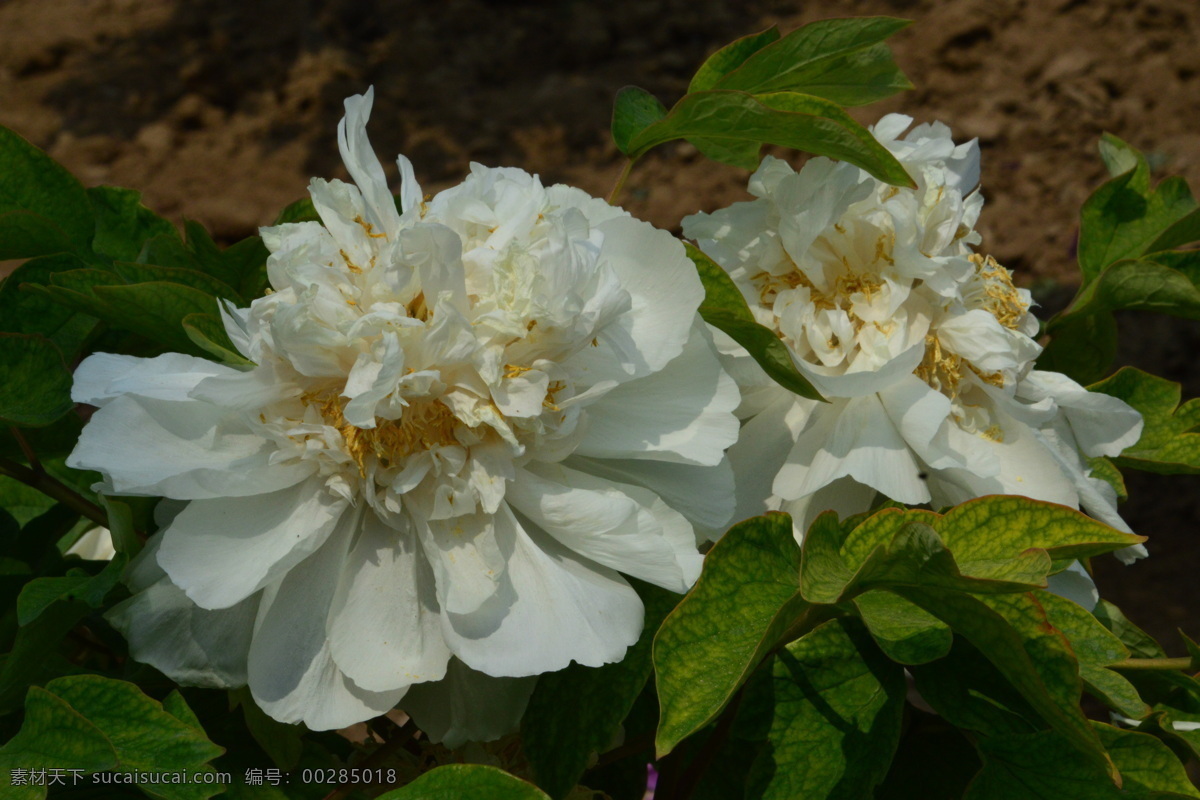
(423, 425)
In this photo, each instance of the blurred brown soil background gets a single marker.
(220, 110)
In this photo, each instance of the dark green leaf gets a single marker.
(466, 781)
(1139, 643)
(23, 311)
(1082, 348)
(40, 593)
(1168, 443)
(725, 308)
(1124, 218)
(1042, 766)
(36, 387)
(34, 656)
(32, 183)
(283, 743)
(113, 717)
(575, 713)
(970, 693)
(1106, 470)
(1138, 285)
(208, 333)
(836, 721)
(788, 119)
(156, 310)
(842, 60)
(146, 273)
(634, 110)
(905, 632)
(123, 224)
(729, 58)
(742, 605)
(302, 210)
(935, 761)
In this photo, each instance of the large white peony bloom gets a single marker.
(923, 347)
(462, 423)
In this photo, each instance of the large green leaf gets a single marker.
(743, 604)
(1139, 643)
(575, 713)
(36, 387)
(935, 761)
(1081, 347)
(729, 58)
(725, 308)
(634, 110)
(789, 119)
(43, 208)
(1042, 766)
(94, 723)
(1095, 648)
(23, 311)
(1169, 443)
(466, 782)
(1140, 284)
(40, 593)
(842, 60)
(838, 703)
(1125, 218)
(123, 224)
(970, 693)
(905, 632)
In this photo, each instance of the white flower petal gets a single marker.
(291, 672)
(385, 625)
(553, 609)
(186, 450)
(1076, 585)
(468, 706)
(101, 377)
(363, 165)
(1102, 425)
(620, 526)
(222, 551)
(682, 413)
(468, 561)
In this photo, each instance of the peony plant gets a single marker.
(505, 493)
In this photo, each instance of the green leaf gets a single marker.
(1106, 470)
(23, 502)
(34, 656)
(577, 712)
(36, 388)
(1042, 766)
(40, 593)
(842, 60)
(970, 693)
(466, 782)
(1015, 633)
(634, 110)
(208, 333)
(282, 742)
(23, 311)
(1081, 347)
(935, 761)
(155, 311)
(302, 210)
(788, 119)
(1124, 218)
(33, 186)
(1095, 648)
(123, 224)
(725, 308)
(1168, 443)
(838, 703)
(1139, 643)
(146, 273)
(1137, 285)
(741, 607)
(114, 727)
(905, 632)
(729, 58)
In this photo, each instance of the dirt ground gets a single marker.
(220, 110)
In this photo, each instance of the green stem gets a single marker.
(54, 488)
(620, 184)
(1175, 664)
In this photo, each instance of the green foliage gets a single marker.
(576, 713)
(789, 91)
(458, 781)
(43, 208)
(1128, 261)
(96, 724)
(725, 308)
(1169, 443)
(38, 388)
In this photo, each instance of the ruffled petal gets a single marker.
(553, 608)
(468, 706)
(222, 551)
(291, 671)
(102, 377)
(620, 526)
(385, 622)
(182, 449)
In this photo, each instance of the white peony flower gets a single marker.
(923, 347)
(463, 422)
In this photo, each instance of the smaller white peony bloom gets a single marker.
(923, 347)
(463, 423)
